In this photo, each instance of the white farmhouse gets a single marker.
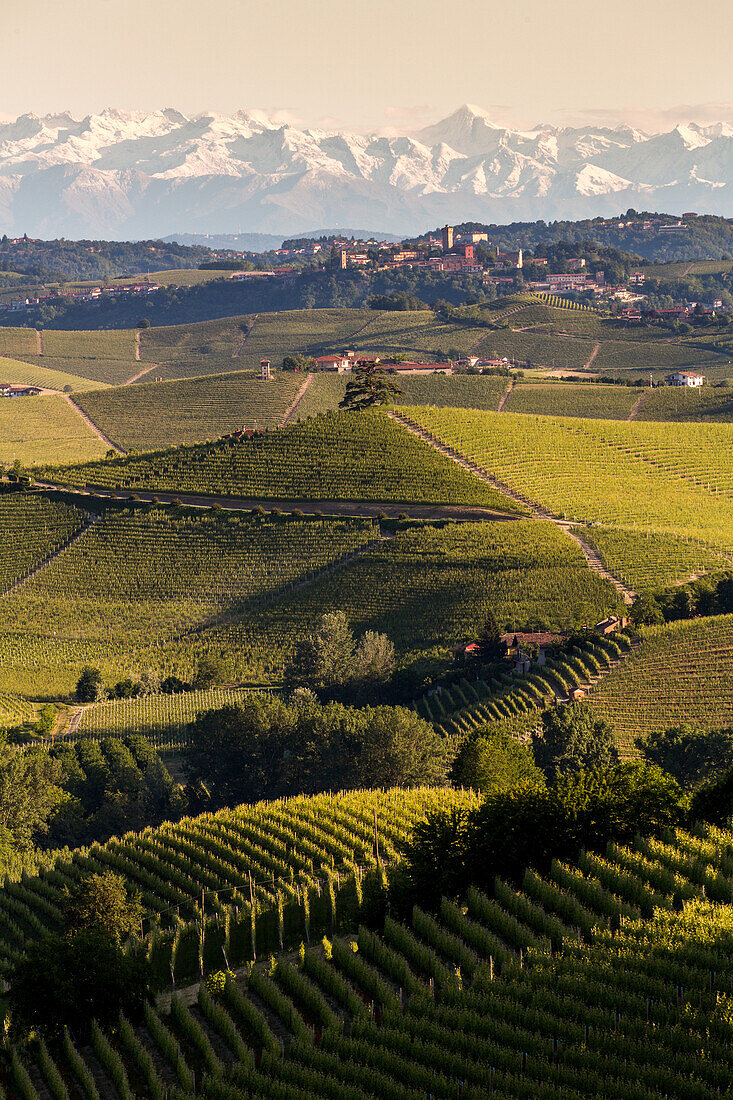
(684, 378)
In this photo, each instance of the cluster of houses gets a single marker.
(87, 294)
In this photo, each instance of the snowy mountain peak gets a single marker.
(123, 173)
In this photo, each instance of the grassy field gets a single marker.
(683, 672)
(162, 414)
(430, 588)
(39, 430)
(567, 399)
(340, 456)
(683, 404)
(673, 479)
(47, 376)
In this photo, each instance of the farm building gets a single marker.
(685, 378)
(13, 389)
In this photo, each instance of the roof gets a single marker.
(330, 358)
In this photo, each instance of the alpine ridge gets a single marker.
(132, 174)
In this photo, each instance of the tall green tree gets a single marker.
(369, 385)
(492, 760)
(102, 902)
(489, 640)
(324, 658)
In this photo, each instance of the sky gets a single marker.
(390, 65)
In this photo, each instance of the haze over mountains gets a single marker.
(133, 175)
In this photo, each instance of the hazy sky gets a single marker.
(375, 63)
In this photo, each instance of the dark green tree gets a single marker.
(102, 902)
(490, 646)
(492, 760)
(324, 659)
(400, 749)
(369, 385)
(88, 685)
(573, 738)
(690, 754)
(72, 980)
(645, 611)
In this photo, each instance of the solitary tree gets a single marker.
(88, 685)
(101, 902)
(368, 386)
(489, 640)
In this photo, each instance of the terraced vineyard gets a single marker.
(470, 703)
(567, 399)
(45, 429)
(668, 479)
(308, 331)
(428, 589)
(160, 718)
(134, 580)
(159, 414)
(187, 351)
(684, 404)
(643, 559)
(589, 981)
(683, 672)
(32, 527)
(346, 456)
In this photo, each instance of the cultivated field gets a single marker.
(45, 429)
(564, 985)
(568, 399)
(430, 588)
(342, 456)
(674, 479)
(643, 559)
(135, 581)
(32, 527)
(37, 373)
(161, 414)
(684, 404)
(683, 672)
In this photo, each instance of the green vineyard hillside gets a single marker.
(683, 671)
(344, 456)
(606, 979)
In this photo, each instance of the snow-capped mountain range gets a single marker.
(131, 175)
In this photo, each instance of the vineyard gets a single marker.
(53, 376)
(468, 704)
(136, 579)
(85, 373)
(644, 560)
(683, 672)
(567, 399)
(18, 341)
(606, 979)
(159, 414)
(159, 718)
(428, 589)
(673, 479)
(279, 847)
(112, 344)
(31, 528)
(682, 403)
(341, 456)
(45, 429)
